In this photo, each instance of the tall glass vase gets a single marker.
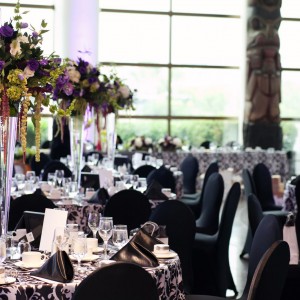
(76, 140)
(111, 138)
(8, 137)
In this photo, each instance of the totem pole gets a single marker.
(263, 86)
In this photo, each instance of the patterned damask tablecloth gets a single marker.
(276, 161)
(168, 277)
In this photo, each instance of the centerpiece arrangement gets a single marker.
(141, 143)
(169, 143)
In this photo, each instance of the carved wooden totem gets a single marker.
(263, 87)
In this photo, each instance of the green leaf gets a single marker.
(44, 24)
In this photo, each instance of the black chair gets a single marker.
(263, 184)
(38, 166)
(269, 277)
(190, 169)
(54, 165)
(86, 155)
(255, 213)
(164, 176)
(249, 186)
(212, 274)
(196, 204)
(143, 171)
(129, 207)
(32, 202)
(205, 144)
(180, 229)
(208, 221)
(117, 281)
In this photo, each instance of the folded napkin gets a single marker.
(100, 197)
(58, 268)
(86, 169)
(154, 192)
(139, 250)
(295, 180)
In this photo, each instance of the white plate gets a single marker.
(9, 280)
(86, 258)
(170, 254)
(21, 265)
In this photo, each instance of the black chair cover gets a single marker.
(38, 166)
(190, 168)
(144, 171)
(164, 176)
(54, 165)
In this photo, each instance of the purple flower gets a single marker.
(57, 60)
(24, 25)
(44, 62)
(76, 93)
(61, 81)
(6, 31)
(35, 34)
(68, 89)
(40, 72)
(33, 65)
(2, 64)
(92, 80)
(21, 77)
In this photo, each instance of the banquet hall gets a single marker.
(176, 119)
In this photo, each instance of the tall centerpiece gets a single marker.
(26, 81)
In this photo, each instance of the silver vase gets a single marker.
(8, 137)
(76, 140)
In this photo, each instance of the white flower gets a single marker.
(23, 39)
(177, 142)
(124, 91)
(15, 48)
(148, 141)
(161, 141)
(138, 142)
(28, 72)
(73, 74)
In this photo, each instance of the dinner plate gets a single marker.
(8, 280)
(20, 264)
(86, 258)
(169, 254)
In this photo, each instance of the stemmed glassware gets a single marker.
(20, 179)
(2, 250)
(120, 235)
(59, 176)
(105, 231)
(93, 222)
(79, 249)
(51, 179)
(61, 237)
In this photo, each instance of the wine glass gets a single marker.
(59, 176)
(120, 235)
(30, 175)
(93, 222)
(73, 189)
(61, 237)
(51, 179)
(2, 250)
(105, 231)
(79, 249)
(20, 179)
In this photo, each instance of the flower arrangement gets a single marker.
(27, 76)
(141, 143)
(169, 143)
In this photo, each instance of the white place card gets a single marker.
(106, 178)
(53, 218)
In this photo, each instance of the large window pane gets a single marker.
(290, 9)
(34, 2)
(290, 131)
(34, 17)
(206, 92)
(206, 41)
(127, 129)
(228, 7)
(152, 5)
(290, 94)
(134, 38)
(290, 44)
(151, 84)
(194, 132)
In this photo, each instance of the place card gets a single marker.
(53, 218)
(106, 178)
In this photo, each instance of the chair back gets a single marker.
(164, 176)
(100, 155)
(31, 202)
(129, 207)
(180, 229)
(249, 186)
(255, 213)
(263, 183)
(38, 166)
(270, 275)
(208, 221)
(144, 171)
(189, 168)
(212, 168)
(117, 281)
(267, 232)
(54, 165)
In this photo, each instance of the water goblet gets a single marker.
(59, 176)
(105, 231)
(73, 189)
(20, 179)
(93, 222)
(51, 179)
(29, 175)
(120, 235)
(79, 249)
(60, 238)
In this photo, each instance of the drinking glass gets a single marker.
(120, 235)
(61, 237)
(2, 250)
(93, 222)
(79, 249)
(105, 231)
(29, 175)
(29, 187)
(20, 179)
(59, 176)
(73, 189)
(51, 179)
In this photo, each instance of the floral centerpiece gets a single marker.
(27, 76)
(169, 143)
(141, 143)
